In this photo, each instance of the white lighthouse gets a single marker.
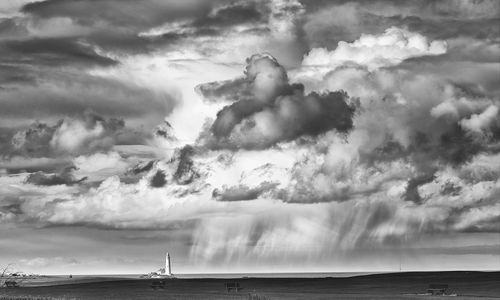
(168, 266)
(165, 272)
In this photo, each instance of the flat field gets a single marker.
(411, 285)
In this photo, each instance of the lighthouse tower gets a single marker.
(168, 266)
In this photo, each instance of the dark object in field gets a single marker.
(11, 283)
(232, 286)
(437, 289)
(257, 297)
(158, 284)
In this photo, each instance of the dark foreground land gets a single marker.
(466, 285)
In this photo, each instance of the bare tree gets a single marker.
(7, 276)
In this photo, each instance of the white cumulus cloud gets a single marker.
(375, 51)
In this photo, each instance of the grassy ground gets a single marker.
(468, 285)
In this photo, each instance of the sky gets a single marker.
(249, 136)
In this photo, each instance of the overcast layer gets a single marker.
(249, 136)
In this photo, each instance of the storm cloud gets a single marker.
(358, 133)
(76, 136)
(269, 109)
(65, 177)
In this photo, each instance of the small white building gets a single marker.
(165, 272)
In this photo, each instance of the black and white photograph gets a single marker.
(249, 149)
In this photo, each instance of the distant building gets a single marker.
(165, 272)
